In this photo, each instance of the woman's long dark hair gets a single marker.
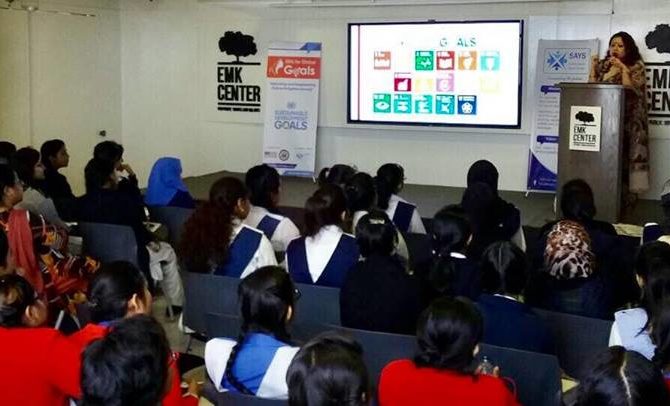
(338, 174)
(26, 158)
(504, 269)
(632, 51)
(577, 201)
(323, 208)
(376, 234)
(450, 233)
(447, 334)
(389, 179)
(207, 232)
(263, 181)
(49, 150)
(652, 266)
(360, 192)
(660, 336)
(265, 298)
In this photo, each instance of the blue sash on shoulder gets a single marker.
(268, 225)
(344, 257)
(240, 253)
(403, 216)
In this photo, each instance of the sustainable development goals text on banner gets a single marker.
(291, 107)
(557, 61)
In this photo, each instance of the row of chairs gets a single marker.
(536, 376)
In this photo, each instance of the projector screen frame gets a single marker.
(382, 123)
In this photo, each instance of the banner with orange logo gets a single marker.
(292, 107)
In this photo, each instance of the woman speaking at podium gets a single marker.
(623, 65)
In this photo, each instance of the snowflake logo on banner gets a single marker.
(557, 60)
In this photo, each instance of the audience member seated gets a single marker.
(39, 365)
(120, 291)
(378, 293)
(508, 321)
(6, 260)
(579, 266)
(338, 174)
(326, 253)
(7, 151)
(257, 362)
(216, 241)
(661, 337)
(264, 187)
(504, 215)
(444, 367)
(390, 180)
(450, 272)
(361, 199)
(104, 203)
(130, 365)
(54, 157)
(112, 152)
(631, 327)
(329, 370)
(39, 248)
(166, 187)
(620, 377)
(30, 170)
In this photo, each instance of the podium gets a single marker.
(601, 169)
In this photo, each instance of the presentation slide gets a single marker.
(436, 73)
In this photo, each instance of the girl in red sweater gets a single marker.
(39, 366)
(443, 370)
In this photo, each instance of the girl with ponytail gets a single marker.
(390, 181)
(326, 253)
(450, 272)
(257, 362)
(216, 241)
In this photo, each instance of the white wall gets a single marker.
(61, 77)
(162, 57)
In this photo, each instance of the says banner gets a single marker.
(291, 107)
(557, 61)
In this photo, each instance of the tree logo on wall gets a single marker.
(236, 92)
(585, 117)
(658, 76)
(239, 45)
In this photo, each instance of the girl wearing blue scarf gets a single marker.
(166, 188)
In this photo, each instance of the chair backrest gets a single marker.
(419, 247)
(217, 398)
(578, 339)
(537, 377)
(173, 218)
(109, 242)
(317, 304)
(229, 326)
(206, 293)
(379, 349)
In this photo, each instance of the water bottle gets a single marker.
(486, 367)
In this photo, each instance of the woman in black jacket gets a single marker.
(378, 293)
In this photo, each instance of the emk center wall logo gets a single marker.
(233, 93)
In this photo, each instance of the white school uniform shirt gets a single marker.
(627, 331)
(401, 249)
(273, 384)
(284, 233)
(415, 225)
(264, 254)
(319, 249)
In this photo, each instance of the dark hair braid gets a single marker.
(228, 374)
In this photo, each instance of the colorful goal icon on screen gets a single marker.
(423, 104)
(382, 60)
(467, 60)
(489, 61)
(402, 82)
(467, 105)
(445, 83)
(446, 60)
(381, 102)
(445, 104)
(424, 60)
(402, 103)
